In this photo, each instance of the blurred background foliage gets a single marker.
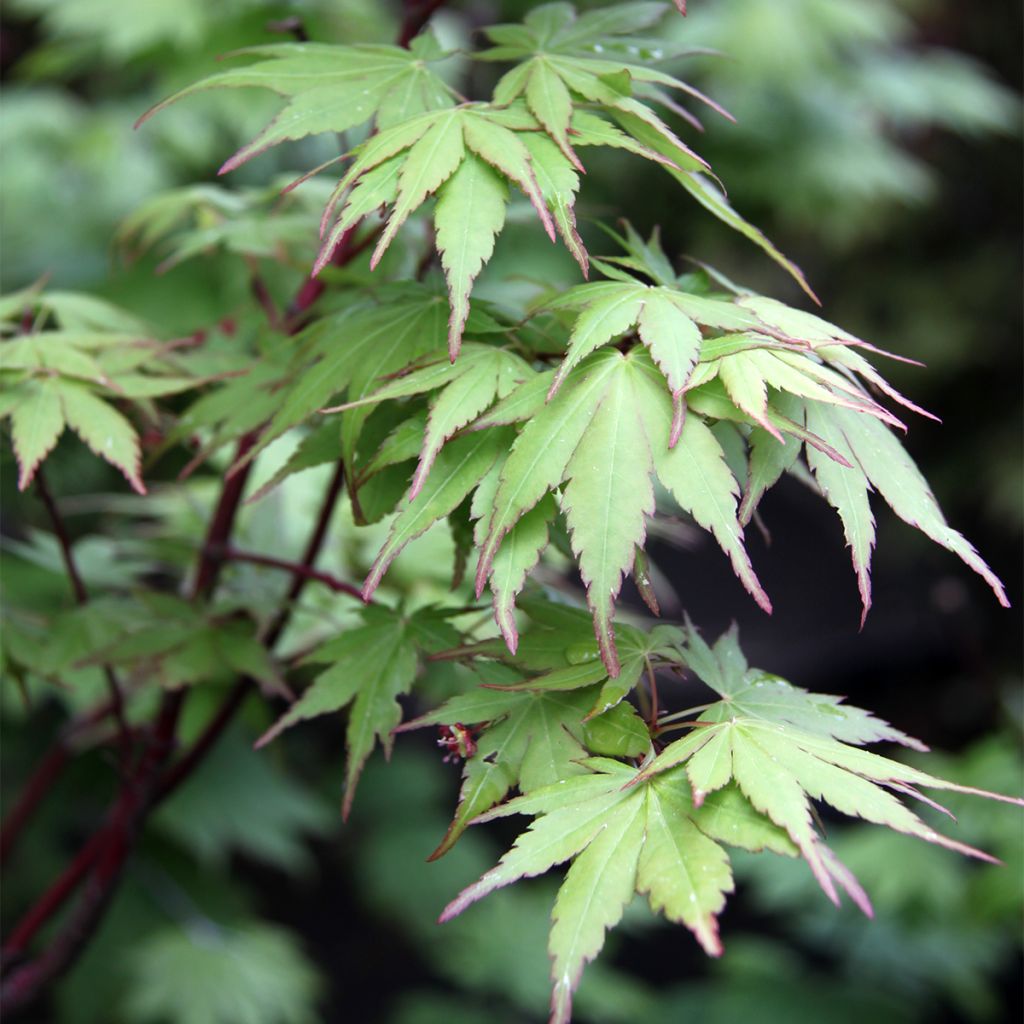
(878, 143)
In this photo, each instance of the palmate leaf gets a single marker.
(195, 220)
(348, 353)
(604, 434)
(626, 834)
(465, 155)
(529, 740)
(331, 88)
(206, 973)
(639, 653)
(784, 747)
(467, 388)
(750, 345)
(874, 459)
(69, 374)
(370, 667)
(557, 50)
(171, 643)
(743, 777)
(565, 61)
(532, 734)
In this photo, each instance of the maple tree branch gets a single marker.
(211, 560)
(300, 570)
(103, 855)
(31, 796)
(303, 572)
(81, 593)
(97, 866)
(262, 295)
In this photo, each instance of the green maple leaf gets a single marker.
(639, 652)
(529, 740)
(200, 972)
(348, 352)
(465, 155)
(625, 834)
(784, 747)
(199, 219)
(563, 58)
(457, 470)
(605, 434)
(466, 389)
(874, 459)
(749, 343)
(170, 642)
(370, 667)
(330, 88)
(70, 375)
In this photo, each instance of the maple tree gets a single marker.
(558, 428)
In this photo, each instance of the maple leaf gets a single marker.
(529, 740)
(457, 470)
(625, 834)
(467, 389)
(69, 376)
(639, 653)
(370, 667)
(749, 343)
(563, 57)
(874, 459)
(344, 352)
(199, 219)
(465, 155)
(330, 88)
(175, 644)
(605, 433)
(784, 747)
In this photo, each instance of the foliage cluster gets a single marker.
(425, 382)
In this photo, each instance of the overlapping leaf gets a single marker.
(604, 434)
(348, 353)
(744, 777)
(331, 88)
(467, 389)
(71, 374)
(465, 155)
(750, 343)
(784, 747)
(563, 58)
(173, 643)
(568, 61)
(199, 219)
(529, 740)
(625, 834)
(370, 667)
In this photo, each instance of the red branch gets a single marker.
(78, 588)
(105, 852)
(32, 795)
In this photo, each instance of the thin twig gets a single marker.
(81, 593)
(105, 852)
(298, 570)
(262, 295)
(110, 846)
(32, 795)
